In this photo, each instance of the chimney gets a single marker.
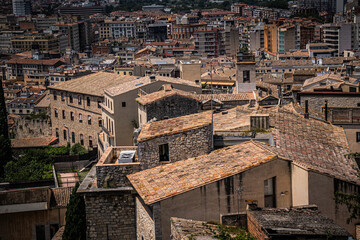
(307, 109)
(152, 78)
(326, 110)
(259, 121)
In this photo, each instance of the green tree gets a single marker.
(5, 145)
(75, 228)
(78, 149)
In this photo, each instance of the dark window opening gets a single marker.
(164, 152)
(246, 76)
(100, 122)
(71, 98)
(72, 116)
(352, 89)
(57, 132)
(56, 113)
(90, 141)
(81, 139)
(79, 100)
(88, 101)
(73, 137)
(40, 232)
(63, 114)
(55, 96)
(357, 136)
(65, 137)
(269, 193)
(99, 104)
(89, 119)
(123, 104)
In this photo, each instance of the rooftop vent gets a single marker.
(127, 156)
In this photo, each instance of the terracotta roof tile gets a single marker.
(164, 181)
(174, 125)
(33, 142)
(156, 96)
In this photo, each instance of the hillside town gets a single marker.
(180, 120)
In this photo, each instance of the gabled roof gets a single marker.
(165, 181)
(159, 95)
(49, 62)
(33, 142)
(334, 77)
(174, 125)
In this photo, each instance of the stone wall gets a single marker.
(75, 125)
(114, 175)
(317, 101)
(111, 215)
(174, 106)
(145, 225)
(182, 146)
(26, 128)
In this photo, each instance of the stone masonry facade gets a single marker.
(182, 146)
(29, 128)
(114, 175)
(174, 106)
(77, 115)
(145, 224)
(111, 215)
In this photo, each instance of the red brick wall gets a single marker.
(255, 229)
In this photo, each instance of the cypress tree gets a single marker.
(75, 227)
(5, 145)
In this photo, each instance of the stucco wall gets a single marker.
(322, 193)
(209, 202)
(350, 132)
(182, 146)
(299, 185)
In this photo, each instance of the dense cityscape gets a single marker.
(179, 119)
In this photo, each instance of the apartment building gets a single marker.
(286, 38)
(270, 37)
(207, 42)
(120, 110)
(185, 31)
(122, 29)
(17, 68)
(338, 36)
(75, 108)
(45, 43)
(104, 30)
(72, 31)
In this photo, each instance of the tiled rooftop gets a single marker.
(33, 142)
(174, 125)
(162, 182)
(226, 97)
(296, 221)
(156, 96)
(92, 84)
(140, 82)
(335, 77)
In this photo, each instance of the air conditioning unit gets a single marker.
(127, 156)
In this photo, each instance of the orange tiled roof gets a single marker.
(165, 181)
(174, 125)
(156, 96)
(33, 142)
(35, 61)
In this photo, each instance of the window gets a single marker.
(269, 193)
(100, 122)
(99, 101)
(81, 139)
(89, 119)
(80, 117)
(90, 141)
(40, 232)
(71, 98)
(88, 101)
(73, 137)
(65, 135)
(111, 105)
(357, 136)
(112, 127)
(72, 116)
(56, 113)
(352, 89)
(55, 96)
(79, 100)
(62, 97)
(63, 114)
(246, 76)
(123, 104)
(57, 132)
(164, 152)
(53, 229)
